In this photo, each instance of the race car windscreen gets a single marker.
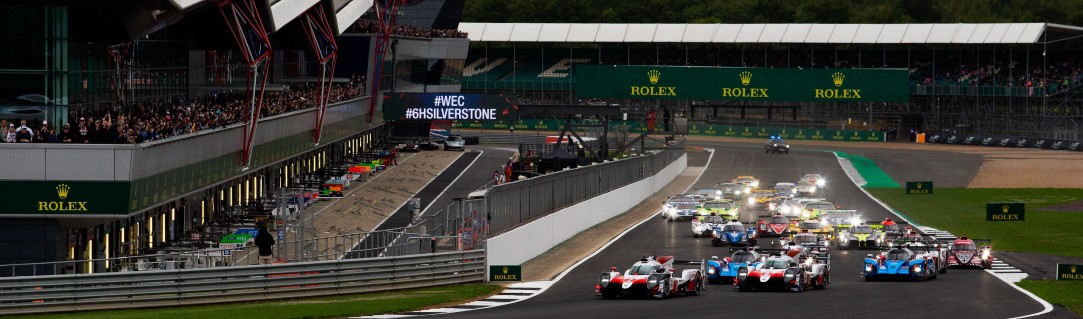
(810, 225)
(898, 254)
(685, 205)
(642, 269)
(820, 206)
(863, 229)
(734, 227)
(965, 246)
(743, 257)
(780, 220)
(805, 239)
(776, 264)
(718, 205)
(714, 219)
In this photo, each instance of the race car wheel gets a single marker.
(824, 282)
(695, 288)
(800, 285)
(665, 289)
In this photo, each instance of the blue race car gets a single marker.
(733, 234)
(723, 271)
(900, 263)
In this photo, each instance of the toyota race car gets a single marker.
(783, 272)
(966, 252)
(723, 271)
(651, 277)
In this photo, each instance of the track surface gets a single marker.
(959, 293)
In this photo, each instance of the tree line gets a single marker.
(775, 11)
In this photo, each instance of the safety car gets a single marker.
(652, 277)
(776, 145)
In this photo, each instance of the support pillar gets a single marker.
(244, 23)
(385, 20)
(322, 40)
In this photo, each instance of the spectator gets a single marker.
(23, 133)
(264, 241)
(67, 135)
(9, 133)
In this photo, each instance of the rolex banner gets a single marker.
(64, 198)
(1069, 272)
(748, 84)
(1005, 212)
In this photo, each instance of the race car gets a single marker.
(707, 226)
(966, 252)
(811, 244)
(817, 227)
(733, 233)
(748, 182)
(812, 209)
(783, 272)
(776, 226)
(899, 263)
(652, 277)
(776, 145)
(806, 188)
(815, 179)
(724, 208)
(730, 190)
(710, 193)
(840, 217)
(681, 208)
(859, 236)
(723, 271)
(792, 207)
(892, 230)
(758, 199)
(785, 189)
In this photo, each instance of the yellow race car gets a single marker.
(750, 183)
(758, 199)
(725, 208)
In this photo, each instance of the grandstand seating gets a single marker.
(531, 69)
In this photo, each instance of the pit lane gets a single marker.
(964, 293)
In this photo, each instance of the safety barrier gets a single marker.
(82, 292)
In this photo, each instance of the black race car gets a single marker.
(776, 145)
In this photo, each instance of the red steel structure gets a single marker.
(385, 20)
(322, 39)
(244, 23)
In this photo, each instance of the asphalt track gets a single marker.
(959, 293)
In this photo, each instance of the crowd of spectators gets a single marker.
(371, 26)
(145, 121)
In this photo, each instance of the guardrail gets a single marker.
(520, 202)
(82, 292)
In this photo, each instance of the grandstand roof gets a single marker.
(960, 33)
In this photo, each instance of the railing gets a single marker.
(520, 202)
(63, 293)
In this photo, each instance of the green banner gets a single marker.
(1069, 272)
(919, 188)
(450, 106)
(1005, 212)
(747, 84)
(506, 273)
(527, 125)
(64, 198)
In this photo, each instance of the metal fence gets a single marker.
(461, 226)
(81, 292)
(513, 204)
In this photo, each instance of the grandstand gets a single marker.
(1004, 79)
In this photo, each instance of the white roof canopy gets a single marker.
(962, 33)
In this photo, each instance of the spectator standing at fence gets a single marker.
(264, 241)
(650, 121)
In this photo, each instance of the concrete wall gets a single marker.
(528, 241)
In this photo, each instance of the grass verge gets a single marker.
(325, 307)
(962, 212)
(1067, 294)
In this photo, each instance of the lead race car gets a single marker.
(784, 272)
(652, 277)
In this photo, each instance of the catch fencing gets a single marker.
(81, 292)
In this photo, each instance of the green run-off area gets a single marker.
(962, 212)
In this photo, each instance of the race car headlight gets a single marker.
(605, 280)
(813, 189)
(804, 215)
(718, 192)
(771, 206)
(652, 282)
(821, 183)
(787, 146)
(917, 268)
(790, 274)
(855, 221)
(742, 273)
(868, 268)
(756, 184)
(751, 201)
(985, 254)
(737, 192)
(710, 270)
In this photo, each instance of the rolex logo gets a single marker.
(654, 75)
(505, 270)
(838, 77)
(1073, 269)
(919, 185)
(746, 78)
(62, 190)
(1004, 208)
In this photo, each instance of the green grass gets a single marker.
(873, 175)
(1068, 294)
(962, 212)
(326, 307)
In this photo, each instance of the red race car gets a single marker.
(652, 277)
(782, 272)
(776, 226)
(966, 252)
